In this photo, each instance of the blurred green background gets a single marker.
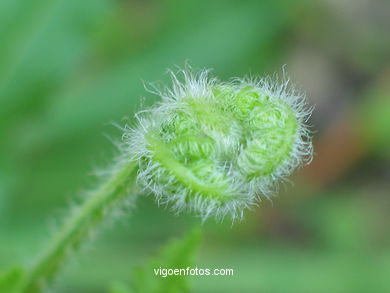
(69, 68)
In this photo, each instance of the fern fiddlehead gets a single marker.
(209, 147)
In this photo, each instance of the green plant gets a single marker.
(208, 147)
(178, 253)
(214, 147)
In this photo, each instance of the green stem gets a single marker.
(79, 225)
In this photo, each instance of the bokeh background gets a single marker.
(68, 68)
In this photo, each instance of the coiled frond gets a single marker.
(213, 147)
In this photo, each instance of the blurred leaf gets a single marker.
(11, 280)
(176, 255)
(374, 116)
(119, 287)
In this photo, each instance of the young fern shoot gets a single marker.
(208, 147)
(214, 148)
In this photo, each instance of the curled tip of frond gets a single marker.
(214, 147)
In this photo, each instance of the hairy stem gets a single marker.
(79, 225)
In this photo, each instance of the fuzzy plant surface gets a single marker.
(209, 147)
(214, 148)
